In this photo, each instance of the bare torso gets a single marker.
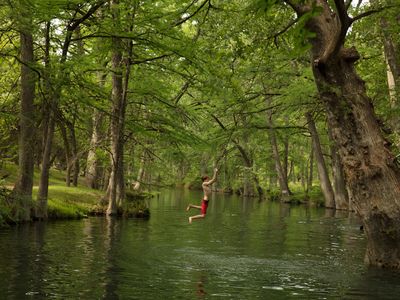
(206, 190)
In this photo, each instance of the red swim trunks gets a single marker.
(204, 205)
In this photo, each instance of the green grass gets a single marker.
(65, 202)
(10, 172)
(70, 202)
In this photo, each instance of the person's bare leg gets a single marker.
(202, 216)
(192, 206)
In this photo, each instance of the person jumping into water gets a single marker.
(206, 185)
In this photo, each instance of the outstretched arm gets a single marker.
(212, 180)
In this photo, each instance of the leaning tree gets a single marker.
(372, 174)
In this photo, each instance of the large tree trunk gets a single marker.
(119, 99)
(116, 145)
(24, 183)
(372, 175)
(323, 176)
(48, 124)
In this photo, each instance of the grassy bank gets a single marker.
(63, 202)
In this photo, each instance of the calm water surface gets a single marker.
(244, 249)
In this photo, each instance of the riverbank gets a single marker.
(313, 197)
(64, 202)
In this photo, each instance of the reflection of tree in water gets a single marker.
(110, 242)
(30, 267)
(200, 291)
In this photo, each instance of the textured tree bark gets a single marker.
(371, 173)
(324, 180)
(24, 183)
(117, 107)
(119, 94)
(48, 124)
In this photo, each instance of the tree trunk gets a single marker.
(324, 181)
(92, 165)
(48, 124)
(48, 133)
(339, 186)
(75, 154)
(391, 51)
(53, 94)
(392, 59)
(282, 176)
(140, 176)
(310, 170)
(286, 152)
(24, 183)
(117, 185)
(272, 178)
(115, 126)
(371, 173)
(248, 164)
(68, 156)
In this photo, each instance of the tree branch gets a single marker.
(137, 62)
(192, 15)
(73, 25)
(345, 22)
(286, 28)
(369, 12)
(347, 4)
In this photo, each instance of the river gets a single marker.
(244, 249)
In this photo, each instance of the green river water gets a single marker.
(244, 249)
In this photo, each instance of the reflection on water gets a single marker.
(200, 286)
(244, 249)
